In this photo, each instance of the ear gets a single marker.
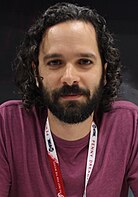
(34, 69)
(105, 71)
(35, 73)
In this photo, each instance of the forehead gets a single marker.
(70, 30)
(72, 26)
(70, 37)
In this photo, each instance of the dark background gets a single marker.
(122, 17)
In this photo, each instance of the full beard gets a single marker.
(72, 111)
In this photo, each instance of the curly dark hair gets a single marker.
(29, 50)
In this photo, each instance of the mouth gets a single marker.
(71, 96)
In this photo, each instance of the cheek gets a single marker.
(50, 81)
(92, 79)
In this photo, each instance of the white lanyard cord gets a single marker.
(91, 155)
(50, 146)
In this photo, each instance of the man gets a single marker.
(68, 136)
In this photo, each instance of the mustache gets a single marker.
(70, 90)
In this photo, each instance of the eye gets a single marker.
(54, 63)
(85, 61)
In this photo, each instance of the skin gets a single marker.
(69, 55)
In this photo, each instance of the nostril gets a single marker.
(70, 83)
(75, 82)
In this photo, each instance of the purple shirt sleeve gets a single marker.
(5, 179)
(133, 163)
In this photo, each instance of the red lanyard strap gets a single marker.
(54, 162)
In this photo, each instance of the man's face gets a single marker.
(71, 67)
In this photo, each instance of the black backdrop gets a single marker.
(122, 17)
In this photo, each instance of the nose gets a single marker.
(70, 75)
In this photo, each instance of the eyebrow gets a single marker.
(50, 56)
(56, 55)
(90, 55)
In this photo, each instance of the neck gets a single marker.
(67, 131)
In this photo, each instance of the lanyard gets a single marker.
(54, 162)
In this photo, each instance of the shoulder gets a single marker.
(14, 111)
(125, 109)
(122, 112)
(10, 107)
(122, 120)
(124, 105)
(10, 104)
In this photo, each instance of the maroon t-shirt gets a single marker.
(24, 164)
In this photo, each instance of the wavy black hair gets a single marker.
(29, 50)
